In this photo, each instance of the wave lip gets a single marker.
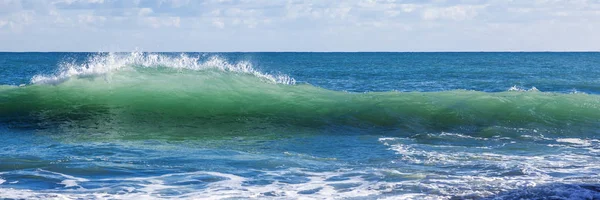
(519, 89)
(101, 64)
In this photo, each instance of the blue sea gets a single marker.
(140, 125)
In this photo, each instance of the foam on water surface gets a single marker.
(321, 185)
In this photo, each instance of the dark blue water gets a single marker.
(299, 125)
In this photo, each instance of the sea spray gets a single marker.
(105, 63)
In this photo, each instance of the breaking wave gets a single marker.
(106, 63)
(140, 90)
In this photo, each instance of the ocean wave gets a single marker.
(139, 90)
(136, 100)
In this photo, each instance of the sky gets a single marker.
(299, 25)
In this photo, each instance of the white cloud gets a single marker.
(144, 11)
(16, 21)
(408, 7)
(218, 23)
(456, 13)
(162, 22)
(69, 2)
(341, 12)
(237, 12)
(9, 6)
(90, 19)
(176, 3)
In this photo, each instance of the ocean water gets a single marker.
(300, 125)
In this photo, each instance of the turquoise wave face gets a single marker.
(134, 99)
(155, 126)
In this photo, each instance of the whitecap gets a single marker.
(106, 63)
(576, 141)
(520, 89)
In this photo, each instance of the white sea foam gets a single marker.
(519, 89)
(509, 167)
(523, 175)
(102, 64)
(462, 136)
(319, 185)
(231, 186)
(417, 154)
(576, 141)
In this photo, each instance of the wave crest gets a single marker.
(520, 89)
(105, 63)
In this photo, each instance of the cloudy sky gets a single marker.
(299, 25)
